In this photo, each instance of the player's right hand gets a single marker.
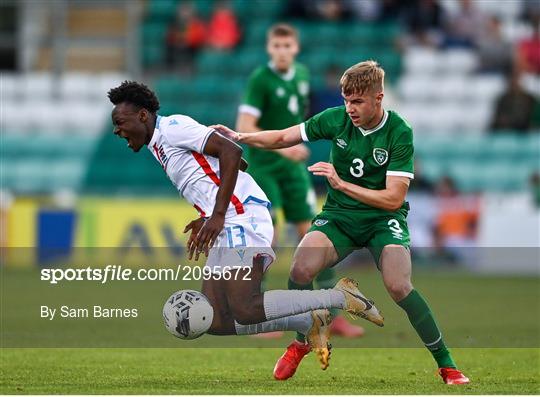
(195, 226)
(209, 233)
(226, 132)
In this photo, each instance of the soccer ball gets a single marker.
(187, 314)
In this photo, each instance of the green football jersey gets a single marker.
(362, 157)
(279, 101)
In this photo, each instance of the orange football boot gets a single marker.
(453, 376)
(290, 360)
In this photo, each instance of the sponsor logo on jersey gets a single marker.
(280, 92)
(241, 253)
(341, 143)
(380, 156)
(321, 222)
(162, 157)
(252, 222)
(303, 88)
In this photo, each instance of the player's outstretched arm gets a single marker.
(247, 123)
(270, 139)
(389, 199)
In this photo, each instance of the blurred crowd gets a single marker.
(449, 219)
(425, 23)
(428, 24)
(189, 32)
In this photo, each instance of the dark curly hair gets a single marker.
(136, 94)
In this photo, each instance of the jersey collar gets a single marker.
(156, 129)
(288, 76)
(376, 128)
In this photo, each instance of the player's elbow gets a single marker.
(392, 200)
(393, 207)
(231, 154)
(393, 204)
(234, 151)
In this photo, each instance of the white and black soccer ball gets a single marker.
(187, 314)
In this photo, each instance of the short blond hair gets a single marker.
(364, 77)
(282, 30)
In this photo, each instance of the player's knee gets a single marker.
(399, 290)
(301, 274)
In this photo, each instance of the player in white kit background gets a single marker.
(234, 228)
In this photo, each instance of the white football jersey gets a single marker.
(177, 144)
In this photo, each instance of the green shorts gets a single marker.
(352, 230)
(290, 190)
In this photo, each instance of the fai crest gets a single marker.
(321, 222)
(303, 88)
(341, 143)
(380, 156)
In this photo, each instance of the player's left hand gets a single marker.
(208, 234)
(328, 171)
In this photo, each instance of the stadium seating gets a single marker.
(44, 163)
(440, 93)
(50, 128)
(502, 162)
(448, 104)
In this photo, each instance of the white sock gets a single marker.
(281, 303)
(300, 323)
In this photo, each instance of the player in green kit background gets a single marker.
(368, 177)
(276, 98)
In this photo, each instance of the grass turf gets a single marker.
(499, 344)
(209, 371)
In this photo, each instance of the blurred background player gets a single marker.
(277, 97)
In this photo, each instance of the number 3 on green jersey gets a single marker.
(363, 157)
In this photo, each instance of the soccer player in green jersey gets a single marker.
(368, 176)
(277, 97)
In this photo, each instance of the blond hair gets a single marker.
(364, 77)
(282, 30)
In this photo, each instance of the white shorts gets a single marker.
(243, 238)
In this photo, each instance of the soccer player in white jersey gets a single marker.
(235, 227)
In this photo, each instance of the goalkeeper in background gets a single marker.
(277, 98)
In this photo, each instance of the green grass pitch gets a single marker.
(491, 324)
(249, 371)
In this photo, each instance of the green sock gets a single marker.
(326, 280)
(292, 285)
(426, 327)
